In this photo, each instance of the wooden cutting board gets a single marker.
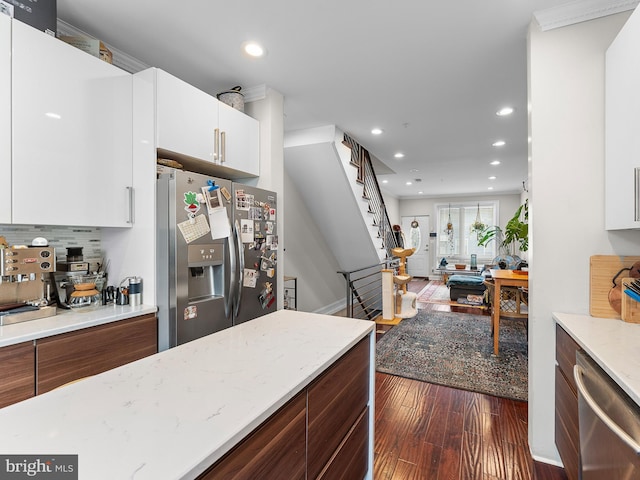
(602, 270)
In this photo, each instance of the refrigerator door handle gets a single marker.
(240, 282)
(229, 300)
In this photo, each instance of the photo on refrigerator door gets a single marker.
(266, 296)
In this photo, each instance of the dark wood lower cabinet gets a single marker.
(276, 450)
(31, 368)
(335, 402)
(323, 433)
(351, 459)
(567, 433)
(69, 356)
(17, 375)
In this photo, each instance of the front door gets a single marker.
(416, 234)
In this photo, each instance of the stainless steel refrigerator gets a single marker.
(216, 253)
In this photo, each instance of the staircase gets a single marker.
(342, 194)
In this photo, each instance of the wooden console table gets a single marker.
(503, 278)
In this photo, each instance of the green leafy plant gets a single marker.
(515, 232)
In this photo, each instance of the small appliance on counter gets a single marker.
(24, 294)
(75, 262)
(85, 292)
(74, 285)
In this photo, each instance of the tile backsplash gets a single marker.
(60, 238)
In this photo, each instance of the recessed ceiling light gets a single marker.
(492, 177)
(420, 193)
(385, 181)
(499, 143)
(490, 188)
(376, 131)
(504, 111)
(399, 155)
(495, 162)
(253, 49)
(53, 115)
(408, 183)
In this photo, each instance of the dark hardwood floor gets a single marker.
(428, 431)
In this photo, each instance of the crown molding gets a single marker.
(252, 94)
(120, 59)
(580, 11)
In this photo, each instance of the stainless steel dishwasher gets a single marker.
(609, 425)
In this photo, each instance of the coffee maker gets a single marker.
(24, 292)
(67, 273)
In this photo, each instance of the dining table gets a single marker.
(504, 278)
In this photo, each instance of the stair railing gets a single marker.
(364, 289)
(361, 159)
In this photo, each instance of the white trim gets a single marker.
(580, 11)
(120, 59)
(252, 94)
(332, 308)
(546, 460)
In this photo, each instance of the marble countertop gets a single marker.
(173, 414)
(612, 343)
(68, 321)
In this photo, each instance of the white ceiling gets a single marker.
(430, 74)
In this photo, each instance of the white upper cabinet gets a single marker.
(193, 123)
(186, 118)
(622, 117)
(5, 119)
(240, 140)
(72, 135)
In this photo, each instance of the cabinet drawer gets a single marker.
(63, 358)
(276, 447)
(17, 378)
(335, 402)
(567, 435)
(566, 348)
(350, 461)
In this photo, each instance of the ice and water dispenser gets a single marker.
(206, 272)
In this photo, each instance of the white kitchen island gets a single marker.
(173, 414)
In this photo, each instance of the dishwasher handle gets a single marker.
(613, 426)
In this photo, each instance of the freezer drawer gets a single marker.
(609, 425)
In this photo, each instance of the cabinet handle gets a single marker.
(130, 190)
(223, 147)
(216, 145)
(636, 194)
(597, 410)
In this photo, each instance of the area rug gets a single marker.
(456, 350)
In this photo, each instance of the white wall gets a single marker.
(566, 191)
(392, 205)
(270, 112)
(308, 257)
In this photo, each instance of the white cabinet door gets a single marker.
(622, 117)
(240, 142)
(72, 135)
(5, 119)
(186, 118)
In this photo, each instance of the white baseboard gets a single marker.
(548, 461)
(333, 308)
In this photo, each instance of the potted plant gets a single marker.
(478, 227)
(515, 232)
